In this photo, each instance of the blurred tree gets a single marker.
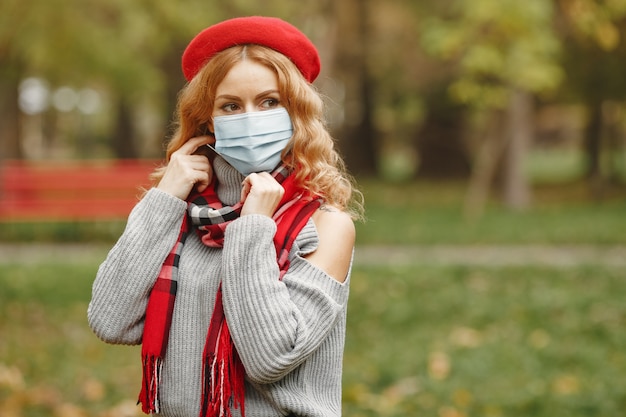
(594, 34)
(76, 43)
(503, 52)
(488, 62)
(12, 18)
(438, 132)
(359, 134)
(385, 79)
(440, 141)
(9, 112)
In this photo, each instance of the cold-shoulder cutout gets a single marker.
(336, 233)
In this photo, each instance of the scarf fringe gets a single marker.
(223, 378)
(149, 395)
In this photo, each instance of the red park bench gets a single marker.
(71, 190)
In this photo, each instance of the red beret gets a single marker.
(267, 31)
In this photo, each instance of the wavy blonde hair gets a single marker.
(320, 169)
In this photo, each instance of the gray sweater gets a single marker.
(290, 334)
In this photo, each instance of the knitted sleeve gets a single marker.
(123, 282)
(275, 325)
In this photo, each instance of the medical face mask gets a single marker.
(253, 142)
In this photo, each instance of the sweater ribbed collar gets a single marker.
(228, 181)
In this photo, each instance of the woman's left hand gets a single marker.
(260, 194)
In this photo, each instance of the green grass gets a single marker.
(458, 341)
(447, 341)
(51, 364)
(62, 232)
(432, 213)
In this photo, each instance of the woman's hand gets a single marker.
(260, 194)
(186, 170)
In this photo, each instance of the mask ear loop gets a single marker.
(207, 132)
(213, 149)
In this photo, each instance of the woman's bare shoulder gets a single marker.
(337, 235)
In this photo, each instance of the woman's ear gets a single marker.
(208, 128)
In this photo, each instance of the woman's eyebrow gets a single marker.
(227, 97)
(267, 92)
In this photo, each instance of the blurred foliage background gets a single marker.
(469, 125)
(480, 90)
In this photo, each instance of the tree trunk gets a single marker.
(358, 142)
(593, 147)
(439, 141)
(361, 155)
(124, 146)
(516, 190)
(613, 140)
(170, 65)
(484, 166)
(593, 138)
(9, 118)
(505, 144)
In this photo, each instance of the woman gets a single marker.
(233, 270)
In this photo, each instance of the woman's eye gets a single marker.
(230, 107)
(269, 103)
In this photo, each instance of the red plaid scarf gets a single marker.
(223, 372)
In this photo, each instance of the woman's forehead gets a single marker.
(248, 75)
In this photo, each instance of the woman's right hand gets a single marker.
(186, 170)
